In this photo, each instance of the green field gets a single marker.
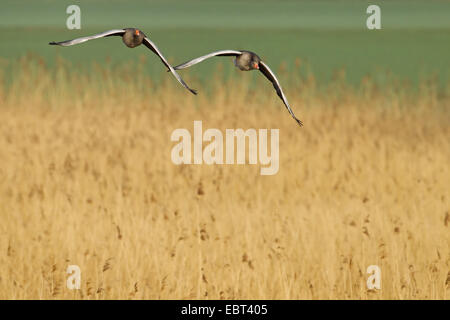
(413, 45)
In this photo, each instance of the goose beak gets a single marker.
(255, 65)
(136, 32)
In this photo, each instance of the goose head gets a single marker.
(254, 62)
(137, 33)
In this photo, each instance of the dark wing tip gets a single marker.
(53, 43)
(193, 91)
(299, 122)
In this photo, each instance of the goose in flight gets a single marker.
(246, 61)
(131, 37)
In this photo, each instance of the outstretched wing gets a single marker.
(271, 76)
(210, 55)
(115, 32)
(149, 44)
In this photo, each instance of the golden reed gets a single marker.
(86, 179)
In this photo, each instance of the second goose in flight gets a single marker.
(131, 37)
(246, 61)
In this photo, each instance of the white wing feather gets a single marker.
(149, 44)
(209, 55)
(84, 39)
(271, 76)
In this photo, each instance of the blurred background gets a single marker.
(413, 44)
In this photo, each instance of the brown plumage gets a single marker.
(246, 61)
(132, 38)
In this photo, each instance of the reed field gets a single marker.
(86, 179)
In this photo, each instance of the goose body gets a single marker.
(132, 38)
(246, 61)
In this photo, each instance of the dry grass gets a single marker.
(86, 178)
